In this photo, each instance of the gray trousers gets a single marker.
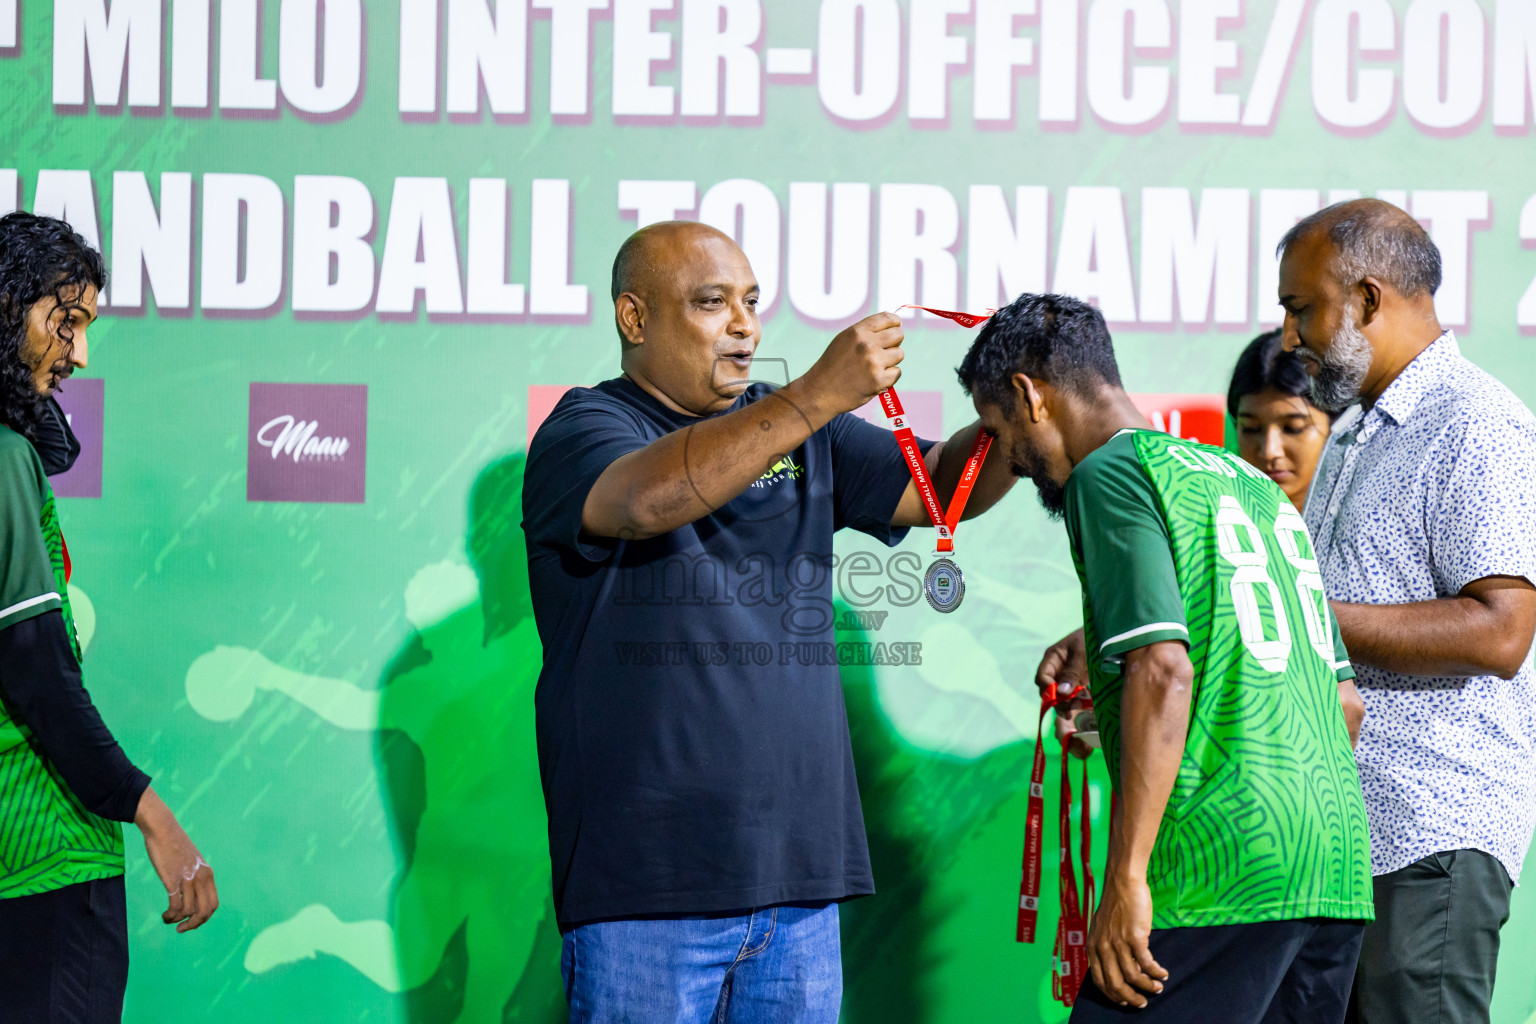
(1430, 955)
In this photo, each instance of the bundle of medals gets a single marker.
(1069, 958)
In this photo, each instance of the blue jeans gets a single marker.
(773, 965)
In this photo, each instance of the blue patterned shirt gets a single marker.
(1432, 488)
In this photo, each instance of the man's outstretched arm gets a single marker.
(691, 472)
(1154, 725)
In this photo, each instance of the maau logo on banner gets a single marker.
(83, 400)
(307, 442)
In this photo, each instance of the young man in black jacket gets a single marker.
(65, 784)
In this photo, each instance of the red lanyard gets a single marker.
(943, 523)
(1069, 957)
(963, 319)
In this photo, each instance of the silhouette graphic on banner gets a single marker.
(472, 935)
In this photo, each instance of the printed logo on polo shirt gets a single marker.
(307, 442)
(785, 468)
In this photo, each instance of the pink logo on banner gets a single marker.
(83, 401)
(307, 442)
(1201, 418)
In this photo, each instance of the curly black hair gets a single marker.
(40, 258)
(1053, 338)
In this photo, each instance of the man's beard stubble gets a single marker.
(1026, 462)
(1341, 370)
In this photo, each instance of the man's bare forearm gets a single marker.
(1154, 725)
(691, 472)
(992, 482)
(1484, 630)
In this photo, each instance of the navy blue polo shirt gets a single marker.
(694, 759)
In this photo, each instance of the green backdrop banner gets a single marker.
(358, 250)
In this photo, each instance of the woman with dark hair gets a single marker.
(65, 784)
(1279, 430)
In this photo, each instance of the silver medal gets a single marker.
(943, 585)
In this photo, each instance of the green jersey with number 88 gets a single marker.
(1175, 540)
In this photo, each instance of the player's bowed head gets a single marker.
(1043, 378)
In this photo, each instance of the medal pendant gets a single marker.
(943, 585)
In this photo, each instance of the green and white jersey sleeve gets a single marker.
(1125, 557)
(28, 584)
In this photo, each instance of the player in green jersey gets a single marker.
(65, 785)
(1238, 881)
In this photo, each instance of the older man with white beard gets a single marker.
(1423, 512)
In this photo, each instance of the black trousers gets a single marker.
(1430, 955)
(1276, 972)
(64, 955)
